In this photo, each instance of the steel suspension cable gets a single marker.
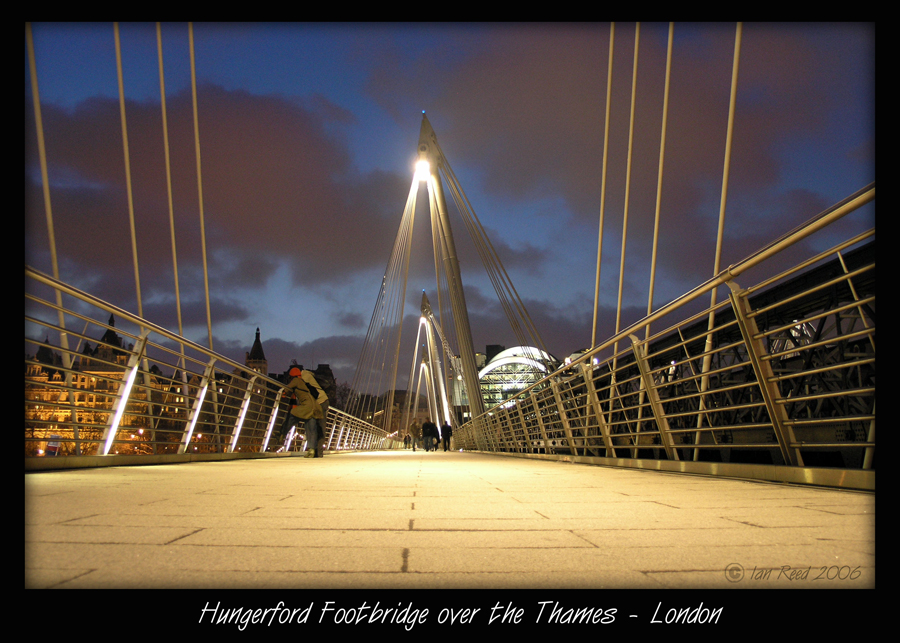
(130, 193)
(356, 385)
(387, 316)
(137, 278)
(401, 301)
(490, 262)
(200, 181)
(612, 32)
(506, 291)
(387, 322)
(516, 313)
(45, 181)
(165, 126)
(707, 357)
(662, 154)
(48, 211)
(728, 142)
(637, 38)
(662, 147)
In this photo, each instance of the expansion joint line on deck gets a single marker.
(175, 540)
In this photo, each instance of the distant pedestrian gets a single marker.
(429, 434)
(446, 434)
(406, 441)
(416, 432)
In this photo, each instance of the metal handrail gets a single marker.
(829, 216)
(642, 407)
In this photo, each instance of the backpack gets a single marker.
(314, 388)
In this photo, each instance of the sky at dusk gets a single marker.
(308, 137)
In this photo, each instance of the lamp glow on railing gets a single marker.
(197, 414)
(240, 422)
(123, 402)
(271, 422)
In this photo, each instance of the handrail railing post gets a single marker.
(563, 416)
(587, 371)
(121, 403)
(273, 416)
(245, 404)
(765, 377)
(662, 423)
(198, 404)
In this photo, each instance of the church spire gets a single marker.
(256, 358)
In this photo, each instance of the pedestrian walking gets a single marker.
(446, 434)
(429, 434)
(416, 432)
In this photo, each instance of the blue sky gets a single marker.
(308, 135)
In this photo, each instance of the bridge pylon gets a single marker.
(430, 152)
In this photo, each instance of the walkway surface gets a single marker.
(401, 520)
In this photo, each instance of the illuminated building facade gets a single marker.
(75, 404)
(82, 405)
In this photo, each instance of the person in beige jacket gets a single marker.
(307, 411)
(321, 398)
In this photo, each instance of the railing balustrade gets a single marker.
(130, 387)
(784, 376)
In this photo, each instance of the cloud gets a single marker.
(519, 111)
(524, 117)
(276, 189)
(350, 319)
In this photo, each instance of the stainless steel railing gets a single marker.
(128, 386)
(781, 373)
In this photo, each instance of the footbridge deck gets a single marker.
(441, 520)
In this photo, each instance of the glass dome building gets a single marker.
(513, 370)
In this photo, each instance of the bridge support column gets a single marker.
(765, 376)
(430, 151)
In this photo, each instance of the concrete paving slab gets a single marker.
(404, 520)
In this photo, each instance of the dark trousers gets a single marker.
(322, 426)
(289, 422)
